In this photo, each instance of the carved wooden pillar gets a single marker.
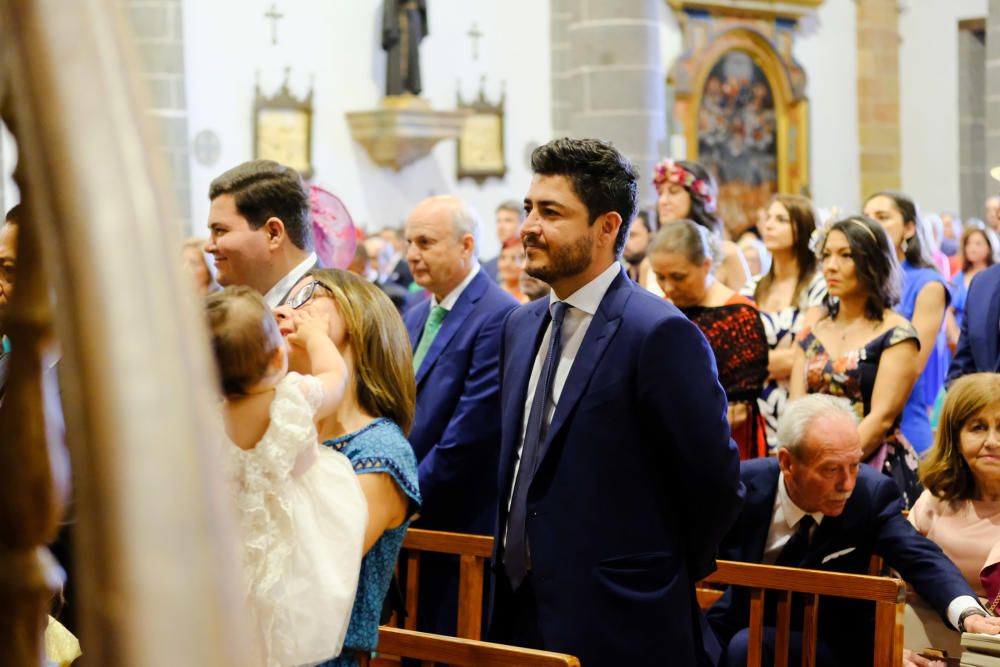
(34, 470)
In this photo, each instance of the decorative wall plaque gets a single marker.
(481, 144)
(283, 128)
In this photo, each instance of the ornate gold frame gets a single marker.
(790, 105)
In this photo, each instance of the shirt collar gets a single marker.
(449, 301)
(588, 298)
(276, 294)
(792, 512)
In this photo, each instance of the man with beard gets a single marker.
(618, 478)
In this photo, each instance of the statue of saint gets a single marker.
(404, 24)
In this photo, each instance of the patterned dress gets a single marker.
(735, 332)
(852, 376)
(378, 447)
(781, 328)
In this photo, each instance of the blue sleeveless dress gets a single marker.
(916, 422)
(378, 447)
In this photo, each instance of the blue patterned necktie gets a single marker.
(515, 557)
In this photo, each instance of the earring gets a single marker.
(904, 245)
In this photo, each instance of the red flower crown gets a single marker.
(669, 171)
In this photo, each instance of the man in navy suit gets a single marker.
(979, 343)
(817, 506)
(456, 428)
(618, 478)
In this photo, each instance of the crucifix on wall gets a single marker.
(274, 16)
(474, 34)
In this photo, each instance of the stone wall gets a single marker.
(878, 95)
(973, 170)
(159, 38)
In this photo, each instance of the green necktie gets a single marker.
(431, 329)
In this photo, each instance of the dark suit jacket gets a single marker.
(978, 349)
(400, 274)
(871, 523)
(636, 484)
(490, 267)
(456, 428)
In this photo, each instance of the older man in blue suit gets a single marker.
(979, 343)
(816, 506)
(456, 428)
(618, 478)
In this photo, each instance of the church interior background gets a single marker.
(894, 92)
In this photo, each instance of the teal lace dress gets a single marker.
(378, 447)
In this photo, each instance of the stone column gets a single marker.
(159, 38)
(616, 83)
(992, 97)
(877, 25)
(561, 14)
(974, 180)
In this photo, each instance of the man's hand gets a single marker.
(911, 659)
(982, 624)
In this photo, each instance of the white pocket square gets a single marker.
(837, 554)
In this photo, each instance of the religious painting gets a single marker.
(740, 104)
(737, 128)
(481, 144)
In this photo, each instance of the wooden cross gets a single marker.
(274, 16)
(474, 35)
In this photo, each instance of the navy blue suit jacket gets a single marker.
(636, 484)
(871, 523)
(456, 428)
(978, 347)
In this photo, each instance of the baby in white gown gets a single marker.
(302, 511)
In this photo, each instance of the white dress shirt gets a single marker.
(784, 521)
(276, 294)
(583, 305)
(452, 298)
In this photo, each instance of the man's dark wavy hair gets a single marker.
(602, 178)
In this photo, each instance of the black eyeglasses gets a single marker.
(303, 296)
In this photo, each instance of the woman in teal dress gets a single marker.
(861, 349)
(923, 301)
(369, 427)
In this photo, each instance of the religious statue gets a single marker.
(404, 24)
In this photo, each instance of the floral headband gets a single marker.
(669, 171)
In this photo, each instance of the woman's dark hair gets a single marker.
(916, 254)
(875, 265)
(803, 220)
(698, 214)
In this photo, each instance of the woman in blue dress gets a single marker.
(977, 250)
(924, 300)
(369, 427)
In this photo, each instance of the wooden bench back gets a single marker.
(472, 552)
(887, 594)
(430, 649)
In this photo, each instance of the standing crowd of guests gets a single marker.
(571, 397)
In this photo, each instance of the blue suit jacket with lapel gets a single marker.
(636, 484)
(456, 428)
(978, 350)
(872, 523)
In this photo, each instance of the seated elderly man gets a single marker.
(816, 506)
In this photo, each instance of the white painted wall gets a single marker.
(827, 52)
(928, 69)
(337, 43)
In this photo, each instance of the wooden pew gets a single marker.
(887, 594)
(453, 651)
(472, 552)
